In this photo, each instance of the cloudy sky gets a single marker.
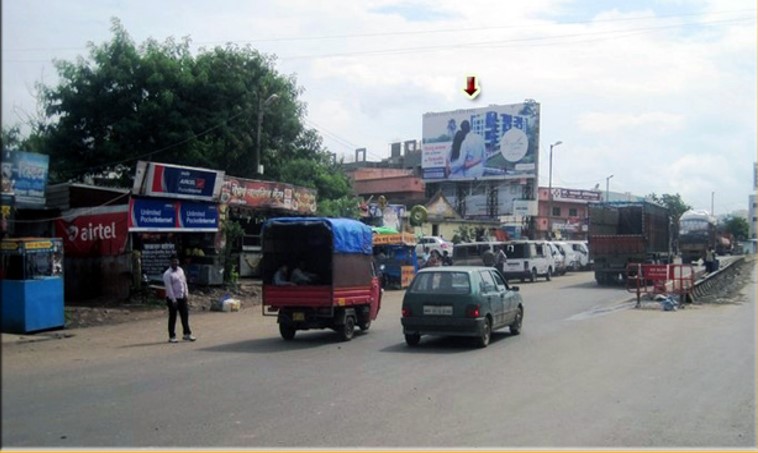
(661, 94)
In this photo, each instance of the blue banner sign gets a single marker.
(148, 214)
(25, 175)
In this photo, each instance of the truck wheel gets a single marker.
(364, 325)
(287, 331)
(412, 339)
(348, 329)
(549, 274)
(533, 275)
(484, 339)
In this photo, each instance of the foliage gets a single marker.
(673, 203)
(464, 233)
(345, 207)
(738, 227)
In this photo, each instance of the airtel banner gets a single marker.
(92, 232)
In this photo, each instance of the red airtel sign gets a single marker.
(94, 232)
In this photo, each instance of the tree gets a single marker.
(738, 227)
(158, 101)
(673, 203)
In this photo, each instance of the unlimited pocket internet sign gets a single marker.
(172, 215)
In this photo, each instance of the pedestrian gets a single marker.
(446, 260)
(500, 260)
(710, 258)
(177, 292)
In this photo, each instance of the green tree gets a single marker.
(673, 203)
(738, 227)
(157, 101)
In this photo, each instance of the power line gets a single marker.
(416, 32)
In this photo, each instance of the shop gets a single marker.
(250, 203)
(174, 211)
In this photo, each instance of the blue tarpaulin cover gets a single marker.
(348, 235)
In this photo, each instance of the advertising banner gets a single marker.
(25, 175)
(173, 181)
(93, 232)
(265, 194)
(495, 142)
(575, 195)
(147, 214)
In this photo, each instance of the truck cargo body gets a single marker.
(621, 233)
(344, 291)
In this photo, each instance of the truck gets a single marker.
(697, 232)
(622, 233)
(345, 290)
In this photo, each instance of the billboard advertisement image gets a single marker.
(495, 142)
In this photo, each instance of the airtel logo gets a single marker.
(91, 232)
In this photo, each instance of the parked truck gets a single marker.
(621, 233)
(697, 233)
(343, 291)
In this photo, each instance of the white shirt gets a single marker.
(175, 283)
(472, 149)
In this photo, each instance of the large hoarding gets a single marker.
(267, 194)
(495, 142)
(174, 181)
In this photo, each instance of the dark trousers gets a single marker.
(183, 309)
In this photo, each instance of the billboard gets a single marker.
(266, 194)
(25, 175)
(89, 232)
(577, 195)
(495, 142)
(151, 214)
(173, 181)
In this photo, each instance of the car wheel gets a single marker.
(365, 325)
(549, 274)
(516, 326)
(533, 275)
(412, 339)
(348, 329)
(287, 331)
(484, 339)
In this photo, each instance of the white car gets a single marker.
(582, 253)
(572, 256)
(434, 243)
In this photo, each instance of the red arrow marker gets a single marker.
(472, 88)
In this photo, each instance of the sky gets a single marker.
(661, 94)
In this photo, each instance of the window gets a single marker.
(501, 285)
(556, 212)
(488, 284)
(572, 212)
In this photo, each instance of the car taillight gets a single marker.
(407, 312)
(472, 311)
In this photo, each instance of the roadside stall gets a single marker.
(395, 255)
(31, 284)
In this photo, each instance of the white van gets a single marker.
(582, 253)
(529, 259)
(571, 255)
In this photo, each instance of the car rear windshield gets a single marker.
(441, 283)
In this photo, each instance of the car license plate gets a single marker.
(444, 310)
(298, 316)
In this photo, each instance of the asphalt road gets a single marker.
(588, 370)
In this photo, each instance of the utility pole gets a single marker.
(258, 169)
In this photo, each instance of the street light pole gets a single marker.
(550, 192)
(258, 170)
(607, 186)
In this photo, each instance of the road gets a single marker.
(588, 370)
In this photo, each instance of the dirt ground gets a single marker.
(107, 312)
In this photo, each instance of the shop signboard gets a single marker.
(576, 195)
(152, 214)
(93, 232)
(25, 176)
(266, 194)
(497, 142)
(174, 181)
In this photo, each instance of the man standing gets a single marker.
(710, 258)
(176, 299)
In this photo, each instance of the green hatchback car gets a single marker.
(460, 301)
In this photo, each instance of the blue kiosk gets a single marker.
(31, 284)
